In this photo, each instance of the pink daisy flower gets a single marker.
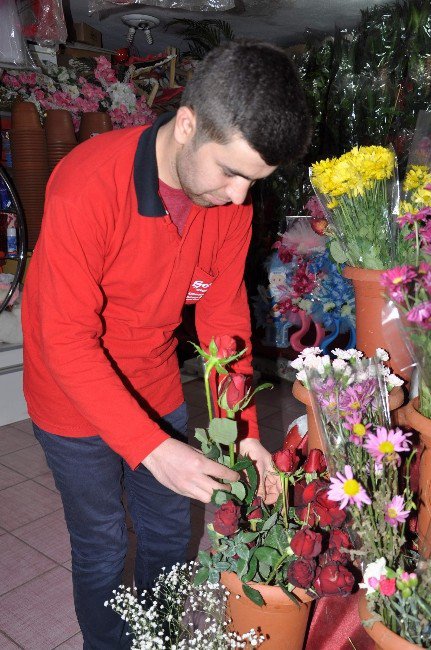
(347, 489)
(384, 444)
(421, 315)
(394, 513)
(399, 275)
(358, 429)
(407, 218)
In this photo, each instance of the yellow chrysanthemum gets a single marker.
(422, 197)
(417, 176)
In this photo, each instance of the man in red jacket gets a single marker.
(138, 223)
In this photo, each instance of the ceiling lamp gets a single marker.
(139, 21)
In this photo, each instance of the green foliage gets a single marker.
(203, 35)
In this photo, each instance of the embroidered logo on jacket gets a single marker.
(197, 290)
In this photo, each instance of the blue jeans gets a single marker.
(90, 477)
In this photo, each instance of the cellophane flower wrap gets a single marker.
(359, 192)
(369, 462)
(298, 541)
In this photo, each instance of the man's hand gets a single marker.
(269, 485)
(186, 471)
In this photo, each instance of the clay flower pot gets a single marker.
(24, 116)
(422, 425)
(59, 127)
(302, 394)
(383, 637)
(282, 621)
(369, 303)
(92, 124)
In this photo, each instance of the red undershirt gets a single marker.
(176, 203)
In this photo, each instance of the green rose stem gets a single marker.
(208, 368)
(284, 486)
(284, 557)
(231, 416)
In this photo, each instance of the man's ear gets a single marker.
(185, 125)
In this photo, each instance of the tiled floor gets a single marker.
(36, 606)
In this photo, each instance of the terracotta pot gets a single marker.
(384, 639)
(92, 124)
(369, 302)
(24, 115)
(282, 621)
(422, 425)
(59, 127)
(302, 394)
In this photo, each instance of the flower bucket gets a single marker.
(422, 425)
(369, 302)
(383, 638)
(280, 620)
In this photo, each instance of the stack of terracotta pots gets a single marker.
(92, 124)
(60, 135)
(30, 164)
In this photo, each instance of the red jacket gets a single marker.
(105, 289)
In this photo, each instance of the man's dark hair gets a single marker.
(251, 88)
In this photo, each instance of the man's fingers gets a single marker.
(221, 471)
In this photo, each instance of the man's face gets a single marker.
(216, 174)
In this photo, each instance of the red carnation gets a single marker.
(226, 518)
(387, 586)
(333, 579)
(306, 543)
(301, 572)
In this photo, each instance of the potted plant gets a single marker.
(274, 559)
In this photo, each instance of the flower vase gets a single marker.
(281, 620)
(383, 638)
(302, 394)
(306, 323)
(422, 425)
(370, 334)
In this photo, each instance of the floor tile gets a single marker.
(47, 480)
(75, 643)
(7, 644)
(26, 502)
(19, 563)
(29, 461)
(24, 425)
(48, 535)
(9, 477)
(12, 439)
(194, 393)
(50, 620)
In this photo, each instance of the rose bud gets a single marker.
(307, 516)
(328, 511)
(333, 579)
(284, 461)
(339, 539)
(315, 462)
(306, 543)
(232, 390)
(256, 512)
(293, 439)
(226, 346)
(301, 572)
(226, 519)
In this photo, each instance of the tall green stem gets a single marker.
(208, 367)
(285, 503)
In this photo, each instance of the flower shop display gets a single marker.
(305, 287)
(349, 364)
(78, 91)
(178, 614)
(275, 559)
(369, 464)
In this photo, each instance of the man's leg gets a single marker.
(161, 518)
(88, 476)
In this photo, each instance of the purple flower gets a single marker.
(407, 219)
(421, 315)
(347, 489)
(384, 444)
(394, 513)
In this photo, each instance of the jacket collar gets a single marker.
(145, 171)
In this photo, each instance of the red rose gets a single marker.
(315, 462)
(333, 580)
(301, 572)
(256, 512)
(306, 543)
(226, 519)
(307, 515)
(232, 390)
(327, 510)
(293, 439)
(313, 489)
(226, 346)
(387, 586)
(285, 461)
(339, 539)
